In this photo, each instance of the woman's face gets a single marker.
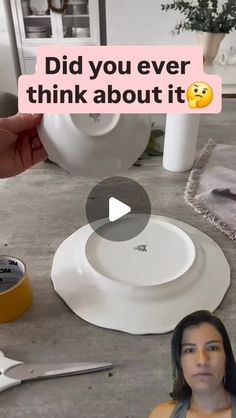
(203, 358)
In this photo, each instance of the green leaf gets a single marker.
(205, 16)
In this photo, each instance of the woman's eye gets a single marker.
(188, 350)
(213, 347)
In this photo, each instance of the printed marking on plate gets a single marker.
(142, 247)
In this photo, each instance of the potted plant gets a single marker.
(210, 21)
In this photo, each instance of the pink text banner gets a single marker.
(120, 79)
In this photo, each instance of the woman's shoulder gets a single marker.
(163, 410)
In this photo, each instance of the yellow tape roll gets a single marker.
(15, 290)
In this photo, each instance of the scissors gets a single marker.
(13, 372)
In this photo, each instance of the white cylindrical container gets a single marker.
(180, 141)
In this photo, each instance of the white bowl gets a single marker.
(80, 32)
(94, 145)
(112, 285)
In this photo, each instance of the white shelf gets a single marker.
(64, 16)
(227, 73)
(37, 16)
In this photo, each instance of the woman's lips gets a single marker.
(203, 374)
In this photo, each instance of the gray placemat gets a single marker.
(211, 187)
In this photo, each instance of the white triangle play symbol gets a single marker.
(117, 209)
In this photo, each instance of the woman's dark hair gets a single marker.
(181, 390)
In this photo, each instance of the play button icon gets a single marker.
(118, 208)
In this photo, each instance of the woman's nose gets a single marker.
(202, 356)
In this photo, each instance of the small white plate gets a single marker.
(94, 145)
(112, 293)
(38, 7)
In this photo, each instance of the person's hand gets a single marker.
(20, 146)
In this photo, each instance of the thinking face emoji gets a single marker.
(199, 94)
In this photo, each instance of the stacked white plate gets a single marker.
(80, 32)
(143, 285)
(37, 31)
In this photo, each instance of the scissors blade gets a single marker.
(27, 372)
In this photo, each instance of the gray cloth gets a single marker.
(8, 104)
(211, 188)
(181, 408)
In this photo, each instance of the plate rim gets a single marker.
(102, 313)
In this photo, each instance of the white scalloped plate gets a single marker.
(137, 289)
